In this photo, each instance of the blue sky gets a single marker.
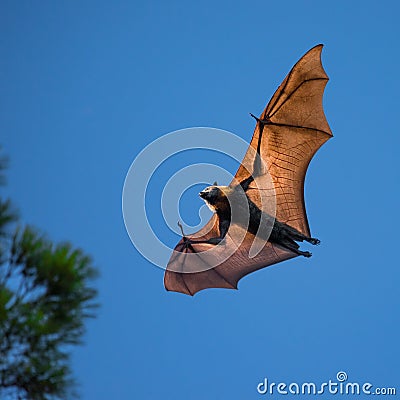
(85, 86)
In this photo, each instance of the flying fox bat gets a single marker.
(288, 133)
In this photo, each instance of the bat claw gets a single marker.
(257, 119)
(181, 228)
(264, 121)
(314, 241)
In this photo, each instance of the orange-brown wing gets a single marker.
(297, 128)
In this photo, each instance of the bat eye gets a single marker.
(204, 193)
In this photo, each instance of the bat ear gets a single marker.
(215, 183)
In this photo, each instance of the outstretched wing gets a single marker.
(297, 128)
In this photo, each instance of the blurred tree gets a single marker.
(45, 296)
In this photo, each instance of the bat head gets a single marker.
(214, 196)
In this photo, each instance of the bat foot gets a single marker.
(314, 241)
(306, 254)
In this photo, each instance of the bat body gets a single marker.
(246, 233)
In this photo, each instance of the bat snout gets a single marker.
(203, 194)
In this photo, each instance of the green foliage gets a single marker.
(45, 297)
